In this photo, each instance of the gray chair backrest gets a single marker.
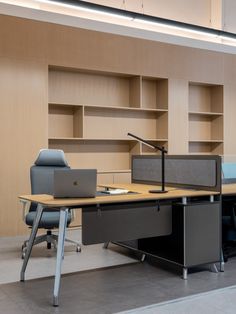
(42, 173)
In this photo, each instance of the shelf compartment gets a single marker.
(117, 123)
(154, 93)
(205, 98)
(114, 176)
(96, 88)
(158, 142)
(103, 155)
(205, 127)
(65, 121)
(206, 147)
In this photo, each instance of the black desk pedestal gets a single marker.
(195, 240)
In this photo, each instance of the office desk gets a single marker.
(125, 217)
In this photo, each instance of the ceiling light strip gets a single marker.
(139, 17)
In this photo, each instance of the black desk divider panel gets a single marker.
(126, 221)
(194, 172)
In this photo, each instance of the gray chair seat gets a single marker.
(49, 220)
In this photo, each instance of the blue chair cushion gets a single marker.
(49, 220)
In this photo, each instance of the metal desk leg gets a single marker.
(222, 262)
(60, 253)
(185, 273)
(33, 233)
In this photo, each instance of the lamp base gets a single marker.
(157, 191)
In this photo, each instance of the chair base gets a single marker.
(50, 239)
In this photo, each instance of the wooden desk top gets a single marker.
(229, 189)
(140, 189)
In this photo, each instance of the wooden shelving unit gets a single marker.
(90, 114)
(205, 119)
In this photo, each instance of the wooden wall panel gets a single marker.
(23, 129)
(178, 117)
(229, 120)
(79, 48)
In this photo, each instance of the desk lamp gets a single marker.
(163, 151)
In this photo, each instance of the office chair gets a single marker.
(41, 178)
(229, 213)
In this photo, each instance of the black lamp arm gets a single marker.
(161, 149)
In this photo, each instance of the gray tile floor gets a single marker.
(129, 288)
(42, 261)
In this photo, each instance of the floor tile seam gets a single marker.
(177, 300)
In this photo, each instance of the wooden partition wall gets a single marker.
(83, 91)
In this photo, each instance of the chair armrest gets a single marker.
(25, 209)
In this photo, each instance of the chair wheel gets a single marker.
(78, 249)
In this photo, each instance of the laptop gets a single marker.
(75, 183)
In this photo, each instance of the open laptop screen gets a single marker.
(75, 183)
